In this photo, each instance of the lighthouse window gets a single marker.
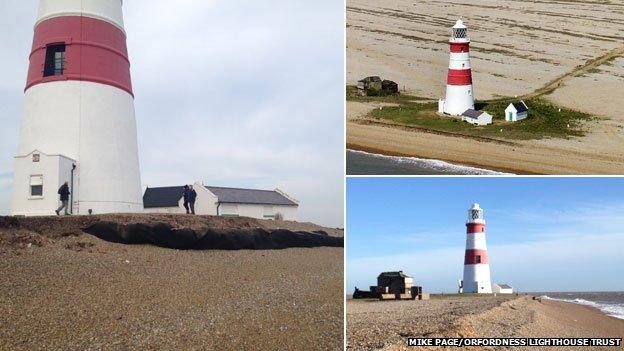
(478, 259)
(55, 60)
(36, 186)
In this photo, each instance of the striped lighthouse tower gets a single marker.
(476, 266)
(78, 125)
(459, 92)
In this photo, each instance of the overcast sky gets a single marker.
(543, 234)
(237, 93)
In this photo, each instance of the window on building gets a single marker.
(268, 212)
(55, 60)
(36, 186)
(478, 259)
(36, 157)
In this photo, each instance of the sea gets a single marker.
(365, 163)
(611, 303)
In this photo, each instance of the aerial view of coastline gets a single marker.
(530, 260)
(559, 62)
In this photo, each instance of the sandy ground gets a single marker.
(517, 48)
(75, 291)
(385, 325)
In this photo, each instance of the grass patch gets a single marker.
(545, 119)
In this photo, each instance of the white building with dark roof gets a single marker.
(478, 118)
(221, 201)
(502, 289)
(516, 111)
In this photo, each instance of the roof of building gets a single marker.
(504, 286)
(370, 79)
(168, 196)
(250, 196)
(394, 274)
(470, 113)
(520, 106)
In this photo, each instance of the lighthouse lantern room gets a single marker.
(459, 90)
(476, 266)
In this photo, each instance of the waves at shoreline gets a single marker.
(366, 163)
(612, 309)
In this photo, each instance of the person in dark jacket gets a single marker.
(64, 197)
(192, 198)
(186, 194)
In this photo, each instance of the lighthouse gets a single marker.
(459, 92)
(78, 124)
(476, 266)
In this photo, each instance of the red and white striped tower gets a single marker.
(476, 266)
(459, 92)
(78, 124)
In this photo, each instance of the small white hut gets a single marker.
(516, 111)
(478, 118)
(502, 289)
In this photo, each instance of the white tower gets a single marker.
(459, 92)
(78, 124)
(476, 266)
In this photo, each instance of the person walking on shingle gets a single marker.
(64, 197)
(192, 198)
(186, 194)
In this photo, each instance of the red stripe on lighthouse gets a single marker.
(460, 47)
(476, 257)
(472, 228)
(459, 77)
(95, 51)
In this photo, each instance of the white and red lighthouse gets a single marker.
(459, 92)
(476, 266)
(78, 124)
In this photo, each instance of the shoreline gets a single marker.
(537, 157)
(376, 151)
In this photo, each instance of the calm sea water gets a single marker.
(611, 303)
(364, 163)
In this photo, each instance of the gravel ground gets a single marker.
(385, 325)
(61, 289)
(373, 324)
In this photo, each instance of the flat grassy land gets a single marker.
(546, 120)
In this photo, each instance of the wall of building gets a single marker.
(54, 169)
(95, 125)
(108, 10)
(206, 203)
(477, 278)
(289, 213)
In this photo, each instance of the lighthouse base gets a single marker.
(459, 98)
(477, 279)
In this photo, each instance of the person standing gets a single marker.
(192, 198)
(64, 197)
(186, 194)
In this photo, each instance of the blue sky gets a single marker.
(231, 93)
(543, 234)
